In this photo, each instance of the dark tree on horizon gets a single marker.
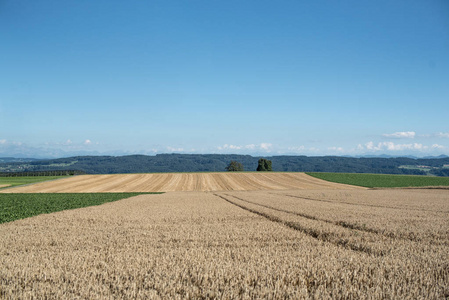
(264, 165)
(234, 166)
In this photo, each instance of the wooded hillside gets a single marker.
(219, 162)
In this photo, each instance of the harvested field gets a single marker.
(4, 185)
(298, 244)
(168, 182)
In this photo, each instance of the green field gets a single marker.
(20, 206)
(14, 181)
(382, 180)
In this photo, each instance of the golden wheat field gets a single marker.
(318, 243)
(168, 182)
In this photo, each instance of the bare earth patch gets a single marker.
(167, 182)
(278, 244)
(4, 185)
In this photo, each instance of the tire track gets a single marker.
(310, 217)
(354, 204)
(344, 224)
(330, 237)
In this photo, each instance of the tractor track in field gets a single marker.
(310, 217)
(308, 230)
(341, 223)
(355, 204)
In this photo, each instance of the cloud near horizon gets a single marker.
(69, 147)
(173, 149)
(436, 146)
(401, 135)
(253, 147)
(337, 149)
(390, 146)
(443, 134)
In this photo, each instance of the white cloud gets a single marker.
(87, 142)
(263, 146)
(69, 142)
(339, 149)
(436, 146)
(401, 135)
(172, 149)
(390, 146)
(300, 148)
(2, 142)
(370, 146)
(266, 146)
(227, 147)
(234, 147)
(443, 134)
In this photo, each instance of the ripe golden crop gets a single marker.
(342, 244)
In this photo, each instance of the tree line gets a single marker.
(43, 173)
(219, 162)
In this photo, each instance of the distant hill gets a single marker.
(13, 159)
(218, 163)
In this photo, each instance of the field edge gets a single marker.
(376, 181)
(17, 206)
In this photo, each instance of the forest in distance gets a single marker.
(162, 163)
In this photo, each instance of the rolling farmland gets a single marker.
(168, 182)
(15, 181)
(275, 241)
(15, 206)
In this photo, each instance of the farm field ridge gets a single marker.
(167, 182)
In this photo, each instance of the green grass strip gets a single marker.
(382, 180)
(15, 181)
(20, 206)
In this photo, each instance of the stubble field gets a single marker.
(169, 182)
(313, 243)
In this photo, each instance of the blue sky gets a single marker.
(248, 77)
